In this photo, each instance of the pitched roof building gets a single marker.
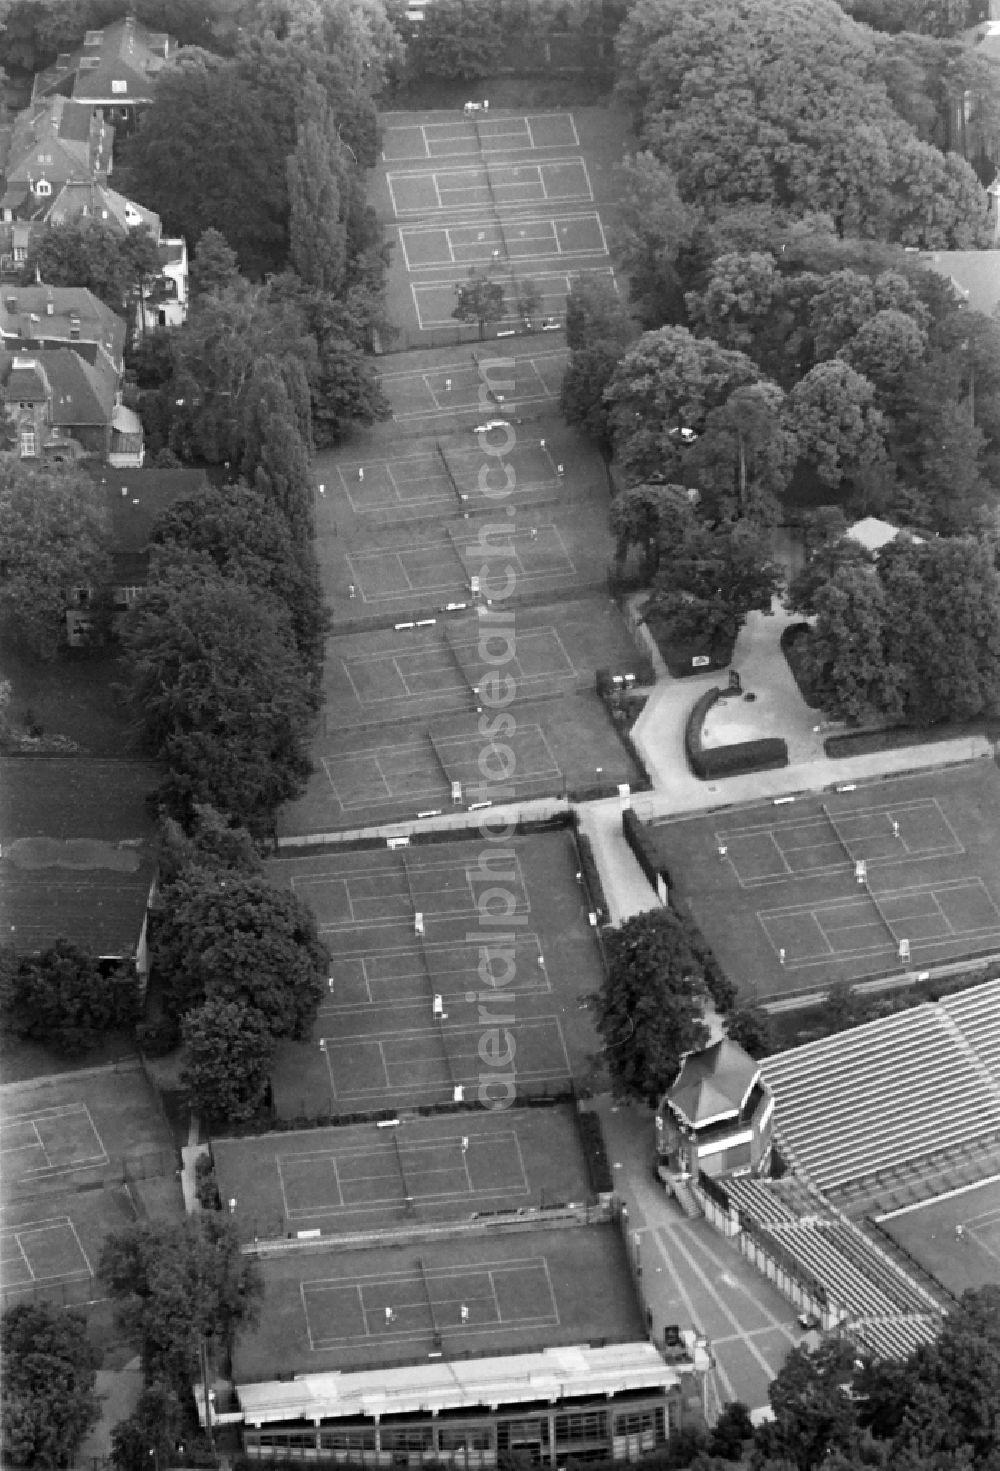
(35, 317)
(115, 69)
(52, 143)
(716, 1116)
(135, 500)
(77, 854)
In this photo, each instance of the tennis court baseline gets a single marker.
(523, 239)
(489, 186)
(403, 142)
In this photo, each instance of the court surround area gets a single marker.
(417, 976)
(882, 878)
(507, 1292)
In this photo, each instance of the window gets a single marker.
(465, 1438)
(357, 1439)
(126, 596)
(408, 1438)
(584, 1425)
(29, 441)
(20, 252)
(43, 188)
(118, 87)
(635, 1424)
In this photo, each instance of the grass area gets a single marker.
(70, 702)
(781, 905)
(957, 1240)
(384, 1047)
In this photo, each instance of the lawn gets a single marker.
(70, 700)
(956, 1239)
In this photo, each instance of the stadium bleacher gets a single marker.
(890, 1092)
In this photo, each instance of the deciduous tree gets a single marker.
(89, 252)
(231, 937)
(228, 1050)
(55, 537)
(832, 413)
(219, 694)
(317, 233)
(649, 1009)
(846, 657)
(457, 38)
(62, 998)
(480, 300)
(47, 1399)
(175, 1284)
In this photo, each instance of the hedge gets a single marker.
(764, 754)
(591, 877)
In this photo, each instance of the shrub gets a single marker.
(764, 754)
(159, 1037)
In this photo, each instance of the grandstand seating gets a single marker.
(890, 1092)
(893, 1338)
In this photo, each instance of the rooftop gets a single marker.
(551, 1374)
(713, 1083)
(77, 846)
(975, 274)
(82, 394)
(117, 64)
(60, 313)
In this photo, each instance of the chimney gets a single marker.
(50, 305)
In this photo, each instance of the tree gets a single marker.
(832, 413)
(231, 937)
(639, 516)
(669, 381)
(55, 535)
(210, 153)
(582, 395)
(47, 1399)
(823, 566)
(742, 291)
(457, 38)
(728, 566)
(846, 659)
(219, 695)
(479, 300)
(812, 1414)
(209, 840)
(214, 266)
(656, 233)
(117, 267)
(228, 1053)
(151, 1432)
(317, 234)
(595, 312)
(744, 457)
(61, 997)
(649, 1009)
(246, 537)
(175, 1284)
(750, 1027)
(846, 300)
(731, 1430)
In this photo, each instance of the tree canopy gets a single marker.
(649, 1009)
(55, 538)
(47, 1399)
(62, 998)
(228, 1050)
(176, 1283)
(232, 937)
(219, 694)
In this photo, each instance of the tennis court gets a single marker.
(432, 948)
(435, 1168)
(46, 1251)
(956, 1238)
(522, 240)
(472, 385)
(525, 1289)
(868, 880)
(434, 301)
(406, 141)
(412, 482)
(487, 185)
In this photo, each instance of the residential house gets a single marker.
(50, 145)
(135, 501)
(164, 304)
(114, 71)
(77, 855)
(61, 373)
(38, 317)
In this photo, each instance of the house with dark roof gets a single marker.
(135, 500)
(77, 854)
(33, 318)
(716, 1116)
(165, 303)
(113, 72)
(58, 405)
